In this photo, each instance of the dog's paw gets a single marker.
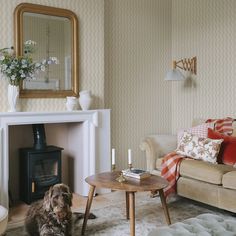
(154, 193)
(92, 216)
(78, 216)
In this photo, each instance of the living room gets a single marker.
(125, 49)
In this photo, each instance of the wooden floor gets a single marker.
(18, 211)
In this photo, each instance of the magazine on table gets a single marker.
(136, 173)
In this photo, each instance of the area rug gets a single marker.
(111, 220)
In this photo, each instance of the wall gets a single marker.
(138, 53)
(137, 56)
(141, 38)
(206, 29)
(90, 14)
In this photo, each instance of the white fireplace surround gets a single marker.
(88, 129)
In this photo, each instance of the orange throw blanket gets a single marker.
(170, 171)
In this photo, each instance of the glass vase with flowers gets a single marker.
(18, 68)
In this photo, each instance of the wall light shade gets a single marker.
(174, 75)
(186, 64)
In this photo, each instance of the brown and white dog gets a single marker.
(53, 215)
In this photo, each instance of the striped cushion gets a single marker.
(224, 126)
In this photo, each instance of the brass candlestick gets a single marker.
(113, 168)
(130, 166)
(121, 178)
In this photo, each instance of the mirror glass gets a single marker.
(55, 32)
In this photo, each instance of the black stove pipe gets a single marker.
(39, 136)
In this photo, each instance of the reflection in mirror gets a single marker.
(55, 32)
(53, 36)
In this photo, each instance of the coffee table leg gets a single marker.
(132, 212)
(127, 205)
(88, 206)
(164, 205)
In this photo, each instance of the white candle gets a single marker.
(129, 157)
(113, 156)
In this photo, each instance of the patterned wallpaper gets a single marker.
(138, 53)
(137, 56)
(141, 39)
(90, 14)
(206, 29)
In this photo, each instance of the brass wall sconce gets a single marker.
(186, 64)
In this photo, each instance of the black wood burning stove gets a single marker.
(40, 167)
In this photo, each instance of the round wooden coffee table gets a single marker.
(130, 186)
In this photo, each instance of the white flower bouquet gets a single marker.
(18, 68)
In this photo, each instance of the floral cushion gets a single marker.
(205, 149)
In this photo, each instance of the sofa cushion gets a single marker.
(198, 190)
(224, 126)
(201, 170)
(199, 148)
(228, 180)
(204, 171)
(199, 130)
(227, 153)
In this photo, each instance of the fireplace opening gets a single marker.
(40, 167)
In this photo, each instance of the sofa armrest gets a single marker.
(156, 146)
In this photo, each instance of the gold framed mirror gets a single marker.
(55, 31)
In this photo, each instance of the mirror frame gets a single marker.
(18, 38)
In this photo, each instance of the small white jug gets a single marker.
(85, 99)
(71, 103)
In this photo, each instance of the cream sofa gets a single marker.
(213, 184)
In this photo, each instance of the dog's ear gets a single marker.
(46, 200)
(69, 195)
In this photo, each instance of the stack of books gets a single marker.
(136, 173)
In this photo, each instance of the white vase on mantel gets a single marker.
(71, 103)
(13, 97)
(85, 99)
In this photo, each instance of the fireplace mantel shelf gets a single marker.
(50, 117)
(89, 138)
